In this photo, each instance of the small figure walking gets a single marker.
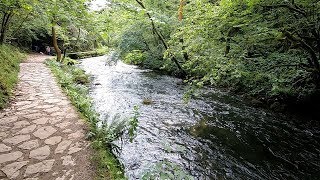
(48, 50)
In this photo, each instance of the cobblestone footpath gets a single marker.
(41, 134)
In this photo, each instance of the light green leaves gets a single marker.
(133, 123)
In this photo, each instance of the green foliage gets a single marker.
(11, 9)
(80, 77)
(133, 123)
(264, 49)
(101, 136)
(166, 170)
(103, 139)
(31, 21)
(102, 133)
(262, 60)
(133, 35)
(103, 162)
(69, 61)
(10, 57)
(135, 57)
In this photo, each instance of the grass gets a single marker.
(74, 82)
(10, 58)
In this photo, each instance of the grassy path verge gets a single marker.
(10, 58)
(74, 83)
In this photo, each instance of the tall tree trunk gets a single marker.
(55, 43)
(4, 26)
(1, 37)
(180, 13)
(228, 47)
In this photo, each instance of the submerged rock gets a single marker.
(147, 101)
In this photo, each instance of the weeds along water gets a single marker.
(74, 83)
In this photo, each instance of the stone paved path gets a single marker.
(42, 136)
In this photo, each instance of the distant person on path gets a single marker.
(48, 50)
(36, 48)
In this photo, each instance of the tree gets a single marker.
(64, 12)
(9, 9)
(161, 38)
(266, 48)
(301, 28)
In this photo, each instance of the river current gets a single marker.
(213, 136)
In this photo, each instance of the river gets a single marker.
(214, 136)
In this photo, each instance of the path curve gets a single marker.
(41, 134)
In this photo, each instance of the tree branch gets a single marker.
(3, 20)
(155, 30)
(301, 65)
(19, 27)
(305, 46)
(4, 26)
(161, 38)
(290, 7)
(283, 65)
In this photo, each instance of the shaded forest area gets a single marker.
(266, 50)
(35, 25)
(65, 26)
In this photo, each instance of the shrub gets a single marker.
(135, 57)
(10, 57)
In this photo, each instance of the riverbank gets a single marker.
(10, 58)
(74, 83)
(80, 55)
(214, 135)
(257, 88)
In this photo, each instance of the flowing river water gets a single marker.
(214, 136)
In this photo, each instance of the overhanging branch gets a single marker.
(291, 7)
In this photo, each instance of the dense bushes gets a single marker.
(135, 57)
(263, 49)
(139, 48)
(10, 57)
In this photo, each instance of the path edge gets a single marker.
(106, 165)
